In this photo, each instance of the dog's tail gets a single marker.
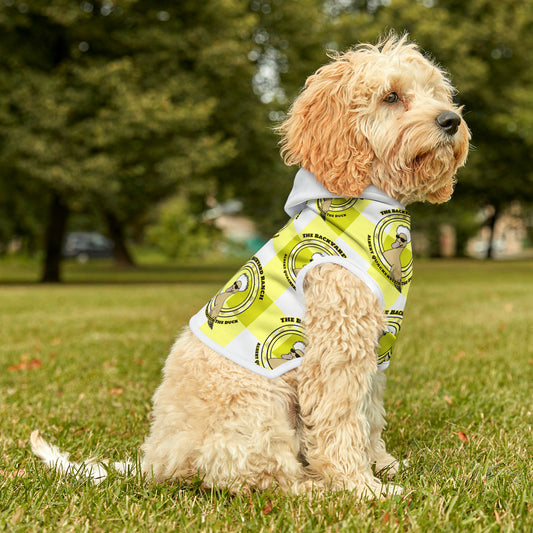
(95, 470)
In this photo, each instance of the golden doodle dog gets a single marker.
(279, 379)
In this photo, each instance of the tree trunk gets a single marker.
(492, 226)
(54, 237)
(116, 233)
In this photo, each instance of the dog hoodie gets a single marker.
(258, 318)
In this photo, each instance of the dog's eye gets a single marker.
(391, 98)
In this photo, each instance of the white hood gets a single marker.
(306, 187)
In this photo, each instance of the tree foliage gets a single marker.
(113, 106)
(179, 232)
(122, 104)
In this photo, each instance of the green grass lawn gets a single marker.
(80, 361)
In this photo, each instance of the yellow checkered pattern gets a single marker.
(343, 232)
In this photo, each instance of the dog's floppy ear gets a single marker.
(322, 133)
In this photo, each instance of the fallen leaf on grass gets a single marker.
(462, 436)
(386, 518)
(116, 392)
(25, 365)
(267, 509)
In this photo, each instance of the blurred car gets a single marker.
(87, 245)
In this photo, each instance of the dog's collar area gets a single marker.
(306, 187)
(373, 193)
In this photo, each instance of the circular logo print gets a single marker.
(238, 295)
(388, 340)
(286, 343)
(391, 248)
(304, 252)
(334, 205)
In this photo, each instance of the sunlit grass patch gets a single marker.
(81, 361)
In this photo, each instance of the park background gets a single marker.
(151, 123)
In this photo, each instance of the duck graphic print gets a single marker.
(258, 318)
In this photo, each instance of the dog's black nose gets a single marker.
(449, 122)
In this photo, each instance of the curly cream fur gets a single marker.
(320, 425)
(214, 418)
(306, 430)
(339, 128)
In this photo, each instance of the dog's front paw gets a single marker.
(379, 490)
(392, 489)
(388, 466)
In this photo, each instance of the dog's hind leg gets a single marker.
(344, 320)
(215, 419)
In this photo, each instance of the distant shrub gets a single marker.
(178, 232)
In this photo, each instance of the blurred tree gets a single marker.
(286, 46)
(122, 104)
(98, 103)
(20, 219)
